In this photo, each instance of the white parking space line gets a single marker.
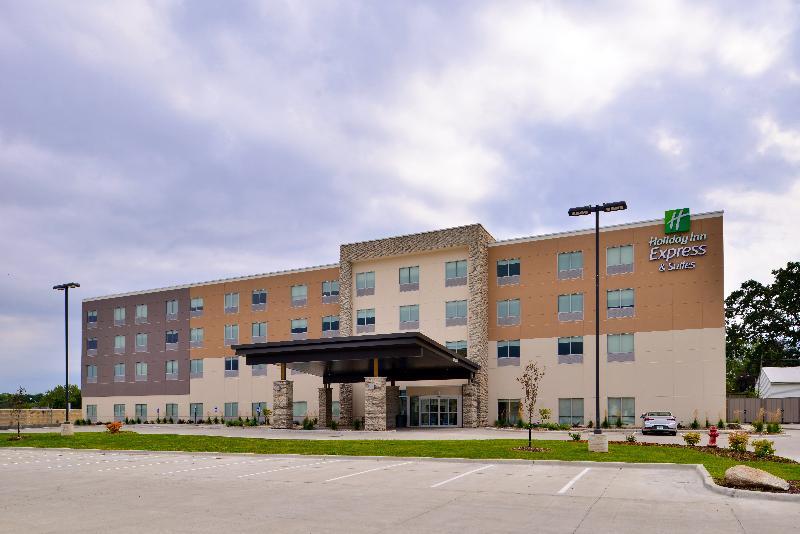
(290, 467)
(443, 482)
(569, 484)
(367, 471)
(217, 465)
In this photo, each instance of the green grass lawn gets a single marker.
(485, 449)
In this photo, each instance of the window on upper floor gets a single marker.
(409, 316)
(459, 347)
(141, 370)
(508, 312)
(508, 352)
(570, 307)
(508, 271)
(171, 338)
(455, 313)
(172, 309)
(365, 320)
(330, 288)
(141, 313)
(455, 273)
(91, 373)
(232, 363)
(299, 295)
(620, 348)
(570, 349)
(171, 369)
(620, 303)
(91, 344)
(330, 323)
(570, 265)
(196, 307)
(365, 283)
(258, 331)
(196, 337)
(91, 317)
(231, 334)
(141, 342)
(231, 302)
(619, 259)
(258, 300)
(299, 326)
(119, 316)
(119, 370)
(409, 278)
(196, 368)
(119, 344)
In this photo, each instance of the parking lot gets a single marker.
(89, 491)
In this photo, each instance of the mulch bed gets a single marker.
(794, 487)
(716, 451)
(531, 449)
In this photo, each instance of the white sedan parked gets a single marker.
(659, 422)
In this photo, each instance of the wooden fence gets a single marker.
(745, 410)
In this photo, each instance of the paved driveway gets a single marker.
(88, 491)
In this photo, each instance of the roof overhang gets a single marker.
(402, 357)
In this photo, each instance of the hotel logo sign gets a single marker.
(677, 252)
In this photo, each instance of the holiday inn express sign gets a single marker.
(679, 248)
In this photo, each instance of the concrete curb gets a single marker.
(708, 482)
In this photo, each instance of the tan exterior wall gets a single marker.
(37, 417)
(678, 370)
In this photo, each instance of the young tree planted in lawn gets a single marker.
(530, 380)
(19, 401)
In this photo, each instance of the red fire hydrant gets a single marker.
(713, 433)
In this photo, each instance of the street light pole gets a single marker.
(65, 288)
(586, 210)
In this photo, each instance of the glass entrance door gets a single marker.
(438, 411)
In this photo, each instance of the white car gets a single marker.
(653, 422)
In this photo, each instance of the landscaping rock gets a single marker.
(748, 477)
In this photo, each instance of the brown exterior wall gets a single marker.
(676, 300)
(156, 355)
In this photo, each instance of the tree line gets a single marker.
(53, 398)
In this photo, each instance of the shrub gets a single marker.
(691, 438)
(737, 441)
(208, 420)
(758, 426)
(356, 424)
(171, 421)
(181, 421)
(721, 424)
(519, 423)
(308, 424)
(630, 438)
(544, 414)
(618, 423)
(334, 425)
(126, 420)
(733, 426)
(695, 424)
(764, 447)
(576, 436)
(773, 428)
(138, 420)
(114, 427)
(605, 424)
(216, 420)
(591, 424)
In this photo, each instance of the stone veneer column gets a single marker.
(469, 406)
(325, 407)
(375, 403)
(346, 405)
(282, 398)
(392, 406)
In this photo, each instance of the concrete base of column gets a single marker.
(346, 405)
(67, 429)
(598, 443)
(469, 406)
(325, 407)
(282, 400)
(375, 403)
(392, 406)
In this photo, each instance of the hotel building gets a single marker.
(498, 304)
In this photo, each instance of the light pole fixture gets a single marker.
(65, 288)
(586, 210)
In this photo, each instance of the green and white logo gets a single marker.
(677, 221)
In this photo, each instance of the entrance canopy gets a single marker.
(404, 356)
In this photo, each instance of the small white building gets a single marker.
(779, 382)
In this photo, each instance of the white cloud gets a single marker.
(668, 143)
(785, 142)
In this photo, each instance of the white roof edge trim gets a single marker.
(212, 282)
(623, 226)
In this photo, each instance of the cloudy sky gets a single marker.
(147, 144)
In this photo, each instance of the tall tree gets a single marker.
(762, 327)
(56, 399)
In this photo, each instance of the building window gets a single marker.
(119, 412)
(196, 410)
(619, 260)
(570, 349)
(91, 374)
(455, 273)
(508, 352)
(336, 409)
(231, 302)
(119, 372)
(141, 314)
(330, 325)
(196, 337)
(119, 316)
(508, 272)
(196, 307)
(259, 300)
(172, 339)
(570, 265)
(172, 309)
(141, 412)
(299, 327)
(258, 332)
(91, 412)
(570, 307)
(620, 303)
(409, 278)
(257, 409)
(141, 342)
(231, 334)
(570, 412)
(172, 411)
(365, 283)
(91, 318)
(299, 295)
(459, 347)
(232, 366)
(621, 408)
(409, 317)
(508, 312)
(365, 320)
(299, 408)
(172, 370)
(508, 411)
(119, 344)
(620, 348)
(231, 410)
(455, 313)
(330, 291)
(259, 369)
(141, 371)
(91, 346)
(196, 368)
